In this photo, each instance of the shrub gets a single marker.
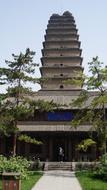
(86, 166)
(36, 165)
(78, 166)
(101, 171)
(14, 164)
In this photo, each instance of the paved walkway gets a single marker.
(58, 180)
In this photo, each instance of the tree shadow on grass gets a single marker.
(0, 182)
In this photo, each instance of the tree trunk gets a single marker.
(14, 144)
(104, 129)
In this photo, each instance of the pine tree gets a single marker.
(16, 104)
(14, 107)
(92, 101)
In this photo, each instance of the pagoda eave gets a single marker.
(60, 24)
(63, 35)
(62, 67)
(61, 58)
(47, 50)
(62, 42)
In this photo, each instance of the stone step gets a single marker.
(63, 169)
(58, 166)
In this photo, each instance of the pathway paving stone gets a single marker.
(58, 180)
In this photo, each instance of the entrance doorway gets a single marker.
(60, 143)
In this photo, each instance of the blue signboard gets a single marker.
(60, 116)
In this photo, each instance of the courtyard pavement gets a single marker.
(58, 180)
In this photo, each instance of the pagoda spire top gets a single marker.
(67, 13)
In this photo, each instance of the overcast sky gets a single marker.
(23, 24)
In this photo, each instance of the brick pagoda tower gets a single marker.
(61, 54)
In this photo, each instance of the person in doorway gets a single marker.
(61, 154)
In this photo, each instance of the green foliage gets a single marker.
(21, 112)
(18, 72)
(19, 69)
(90, 166)
(7, 123)
(104, 159)
(14, 91)
(85, 144)
(36, 165)
(42, 105)
(81, 100)
(2, 97)
(88, 182)
(92, 102)
(21, 64)
(28, 139)
(98, 75)
(33, 178)
(78, 80)
(14, 164)
(18, 105)
(101, 171)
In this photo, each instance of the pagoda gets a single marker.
(61, 54)
(61, 64)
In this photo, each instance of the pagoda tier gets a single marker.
(61, 54)
(62, 37)
(61, 30)
(62, 44)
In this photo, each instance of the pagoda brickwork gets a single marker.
(61, 54)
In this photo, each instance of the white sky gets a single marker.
(23, 24)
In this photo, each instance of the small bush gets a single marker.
(86, 166)
(14, 164)
(36, 165)
(78, 166)
(101, 171)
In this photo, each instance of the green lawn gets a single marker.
(29, 183)
(89, 183)
(0, 183)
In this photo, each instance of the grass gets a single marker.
(0, 183)
(29, 183)
(88, 182)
